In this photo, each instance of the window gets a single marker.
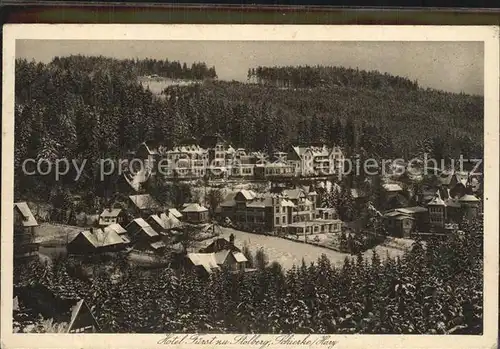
(283, 209)
(277, 220)
(277, 210)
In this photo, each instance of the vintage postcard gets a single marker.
(189, 186)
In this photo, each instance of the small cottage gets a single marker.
(195, 213)
(112, 215)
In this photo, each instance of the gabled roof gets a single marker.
(194, 208)
(142, 225)
(114, 212)
(205, 260)
(144, 201)
(299, 150)
(170, 220)
(240, 257)
(117, 228)
(248, 194)
(155, 218)
(220, 257)
(99, 238)
(175, 212)
(76, 310)
(28, 218)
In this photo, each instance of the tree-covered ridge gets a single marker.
(435, 288)
(316, 76)
(72, 67)
(96, 108)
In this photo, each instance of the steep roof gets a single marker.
(79, 308)
(299, 150)
(117, 228)
(99, 238)
(144, 201)
(155, 218)
(28, 218)
(142, 225)
(205, 260)
(175, 212)
(221, 256)
(170, 220)
(240, 257)
(248, 194)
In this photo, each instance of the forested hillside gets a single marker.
(308, 76)
(92, 107)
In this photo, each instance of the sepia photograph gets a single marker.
(284, 192)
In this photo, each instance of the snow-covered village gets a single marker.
(192, 203)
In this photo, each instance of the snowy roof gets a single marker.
(117, 228)
(155, 218)
(194, 208)
(143, 225)
(175, 212)
(240, 257)
(221, 256)
(248, 194)
(28, 218)
(205, 260)
(99, 238)
(170, 220)
(114, 212)
(468, 198)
